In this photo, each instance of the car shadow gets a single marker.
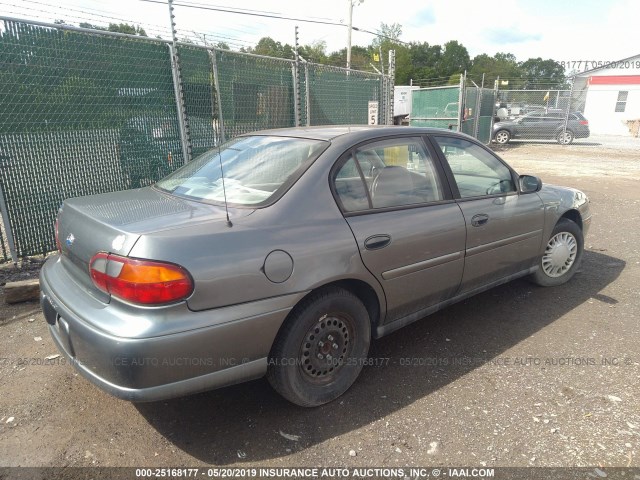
(251, 421)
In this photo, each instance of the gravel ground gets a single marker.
(517, 376)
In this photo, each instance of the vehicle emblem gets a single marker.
(70, 240)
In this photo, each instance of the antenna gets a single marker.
(224, 191)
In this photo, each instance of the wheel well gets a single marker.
(365, 294)
(574, 216)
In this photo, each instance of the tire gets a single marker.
(502, 137)
(321, 348)
(562, 256)
(565, 138)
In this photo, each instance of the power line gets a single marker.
(89, 12)
(278, 17)
(99, 19)
(239, 12)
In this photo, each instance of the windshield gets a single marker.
(257, 170)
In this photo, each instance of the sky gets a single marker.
(585, 31)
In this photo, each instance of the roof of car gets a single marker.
(330, 132)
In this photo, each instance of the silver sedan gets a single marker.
(284, 253)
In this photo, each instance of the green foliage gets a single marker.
(114, 27)
(540, 74)
(268, 47)
(316, 52)
(389, 33)
(126, 28)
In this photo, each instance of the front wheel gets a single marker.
(562, 255)
(502, 137)
(321, 348)
(565, 138)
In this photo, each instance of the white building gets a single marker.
(612, 101)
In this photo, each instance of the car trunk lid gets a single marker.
(114, 222)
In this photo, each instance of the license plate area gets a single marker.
(50, 314)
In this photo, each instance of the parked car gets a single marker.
(285, 252)
(452, 110)
(543, 125)
(150, 147)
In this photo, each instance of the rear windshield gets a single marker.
(257, 170)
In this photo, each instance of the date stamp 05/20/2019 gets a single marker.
(592, 64)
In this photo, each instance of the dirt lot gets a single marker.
(517, 376)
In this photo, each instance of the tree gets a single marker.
(117, 28)
(454, 59)
(269, 47)
(539, 73)
(126, 28)
(316, 52)
(503, 65)
(360, 58)
(424, 59)
(91, 26)
(390, 33)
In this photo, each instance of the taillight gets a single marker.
(55, 229)
(584, 122)
(145, 282)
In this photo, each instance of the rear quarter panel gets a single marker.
(227, 263)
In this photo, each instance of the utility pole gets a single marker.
(351, 5)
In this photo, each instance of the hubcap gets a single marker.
(565, 137)
(325, 347)
(502, 137)
(560, 254)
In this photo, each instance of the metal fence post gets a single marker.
(391, 85)
(183, 120)
(566, 113)
(216, 84)
(296, 82)
(307, 103)
(461, 97)
(476, 126)
(7, 227)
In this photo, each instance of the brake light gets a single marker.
(55, 229)
(584, 122)
(144, 282)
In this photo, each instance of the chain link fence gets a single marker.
(85, 112)
(467, 109)
(540, 115)
(504, 116)
(437, 107)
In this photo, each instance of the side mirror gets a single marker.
(529, 184)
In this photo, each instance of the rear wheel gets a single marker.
(562, 255)
(502, 137)
(565, 138)
(321, 348)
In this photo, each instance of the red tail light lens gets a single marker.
(144, 282)
(584, 122)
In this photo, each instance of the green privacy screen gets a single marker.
(84, 112)
(74, 109)
(338, 96)
(255, 92)
(435, 107)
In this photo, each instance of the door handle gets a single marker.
(479, 219)
(375, 242)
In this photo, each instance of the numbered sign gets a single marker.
(373, 113)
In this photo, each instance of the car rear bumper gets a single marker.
(232, 347)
